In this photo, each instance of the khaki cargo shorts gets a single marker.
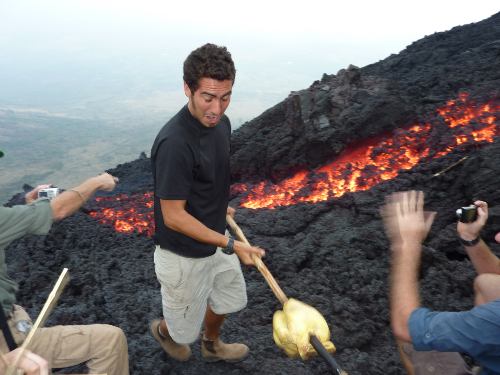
(188, 285)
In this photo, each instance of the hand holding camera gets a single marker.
(471, 220)
(467, 214)
(50, 192)
(34, 194)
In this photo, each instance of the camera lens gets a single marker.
(467, 214)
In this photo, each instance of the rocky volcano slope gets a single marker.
(314, 125)
(332, 255)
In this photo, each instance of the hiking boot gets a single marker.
(180, 352)
(216, 350)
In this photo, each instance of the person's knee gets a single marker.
(113, 336)
(482, 282)
(486, 287)
(117, 336)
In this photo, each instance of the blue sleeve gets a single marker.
(476, 332)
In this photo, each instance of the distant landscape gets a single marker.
(61, 123)
(87, 85)
(42, 147)
(76, 139)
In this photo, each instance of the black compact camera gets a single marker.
(467, 214)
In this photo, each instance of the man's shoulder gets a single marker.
(174, 124)
(225, 120)
(173, 132)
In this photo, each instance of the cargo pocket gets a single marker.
(168, 268)
(73, 345)
(171, 272)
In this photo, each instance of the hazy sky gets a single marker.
(73, 55)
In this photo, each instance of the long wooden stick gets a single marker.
(278, 292)
(42, 317)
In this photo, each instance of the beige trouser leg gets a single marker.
(103, 347)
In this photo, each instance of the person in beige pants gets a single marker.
(102, 347)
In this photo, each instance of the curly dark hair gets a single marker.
(208, 61)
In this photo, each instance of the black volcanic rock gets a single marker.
(314, 125)
(332, 255)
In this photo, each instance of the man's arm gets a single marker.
(177, 218)
(71, 200)
(406, 226)
(405, 296)
(475, 331)
(482, 258)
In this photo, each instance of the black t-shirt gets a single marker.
(191, 162)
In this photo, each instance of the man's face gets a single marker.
(209, 102)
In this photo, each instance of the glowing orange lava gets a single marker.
(358, 168)
(134, 215)
(365, 165)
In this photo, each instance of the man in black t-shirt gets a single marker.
(196, 264)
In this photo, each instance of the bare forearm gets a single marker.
(188, 225)
(71, 200)
(405, 297)
(482, 258)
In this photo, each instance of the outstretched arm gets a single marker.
(71, 200)
(406, 226)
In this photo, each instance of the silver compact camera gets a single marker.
(49, 193)
(467, 214)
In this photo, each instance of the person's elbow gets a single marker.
(400, 329)
(59, 211)
(171, 220)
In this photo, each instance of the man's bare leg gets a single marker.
(213, 348)
(213, 323)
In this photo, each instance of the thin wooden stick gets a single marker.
(278, 292)
(44, 314)
(449, 167)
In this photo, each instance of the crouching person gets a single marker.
(430, 341)
(102, 347)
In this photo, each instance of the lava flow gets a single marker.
(371, 162)
(459, 123)
(127, 213)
